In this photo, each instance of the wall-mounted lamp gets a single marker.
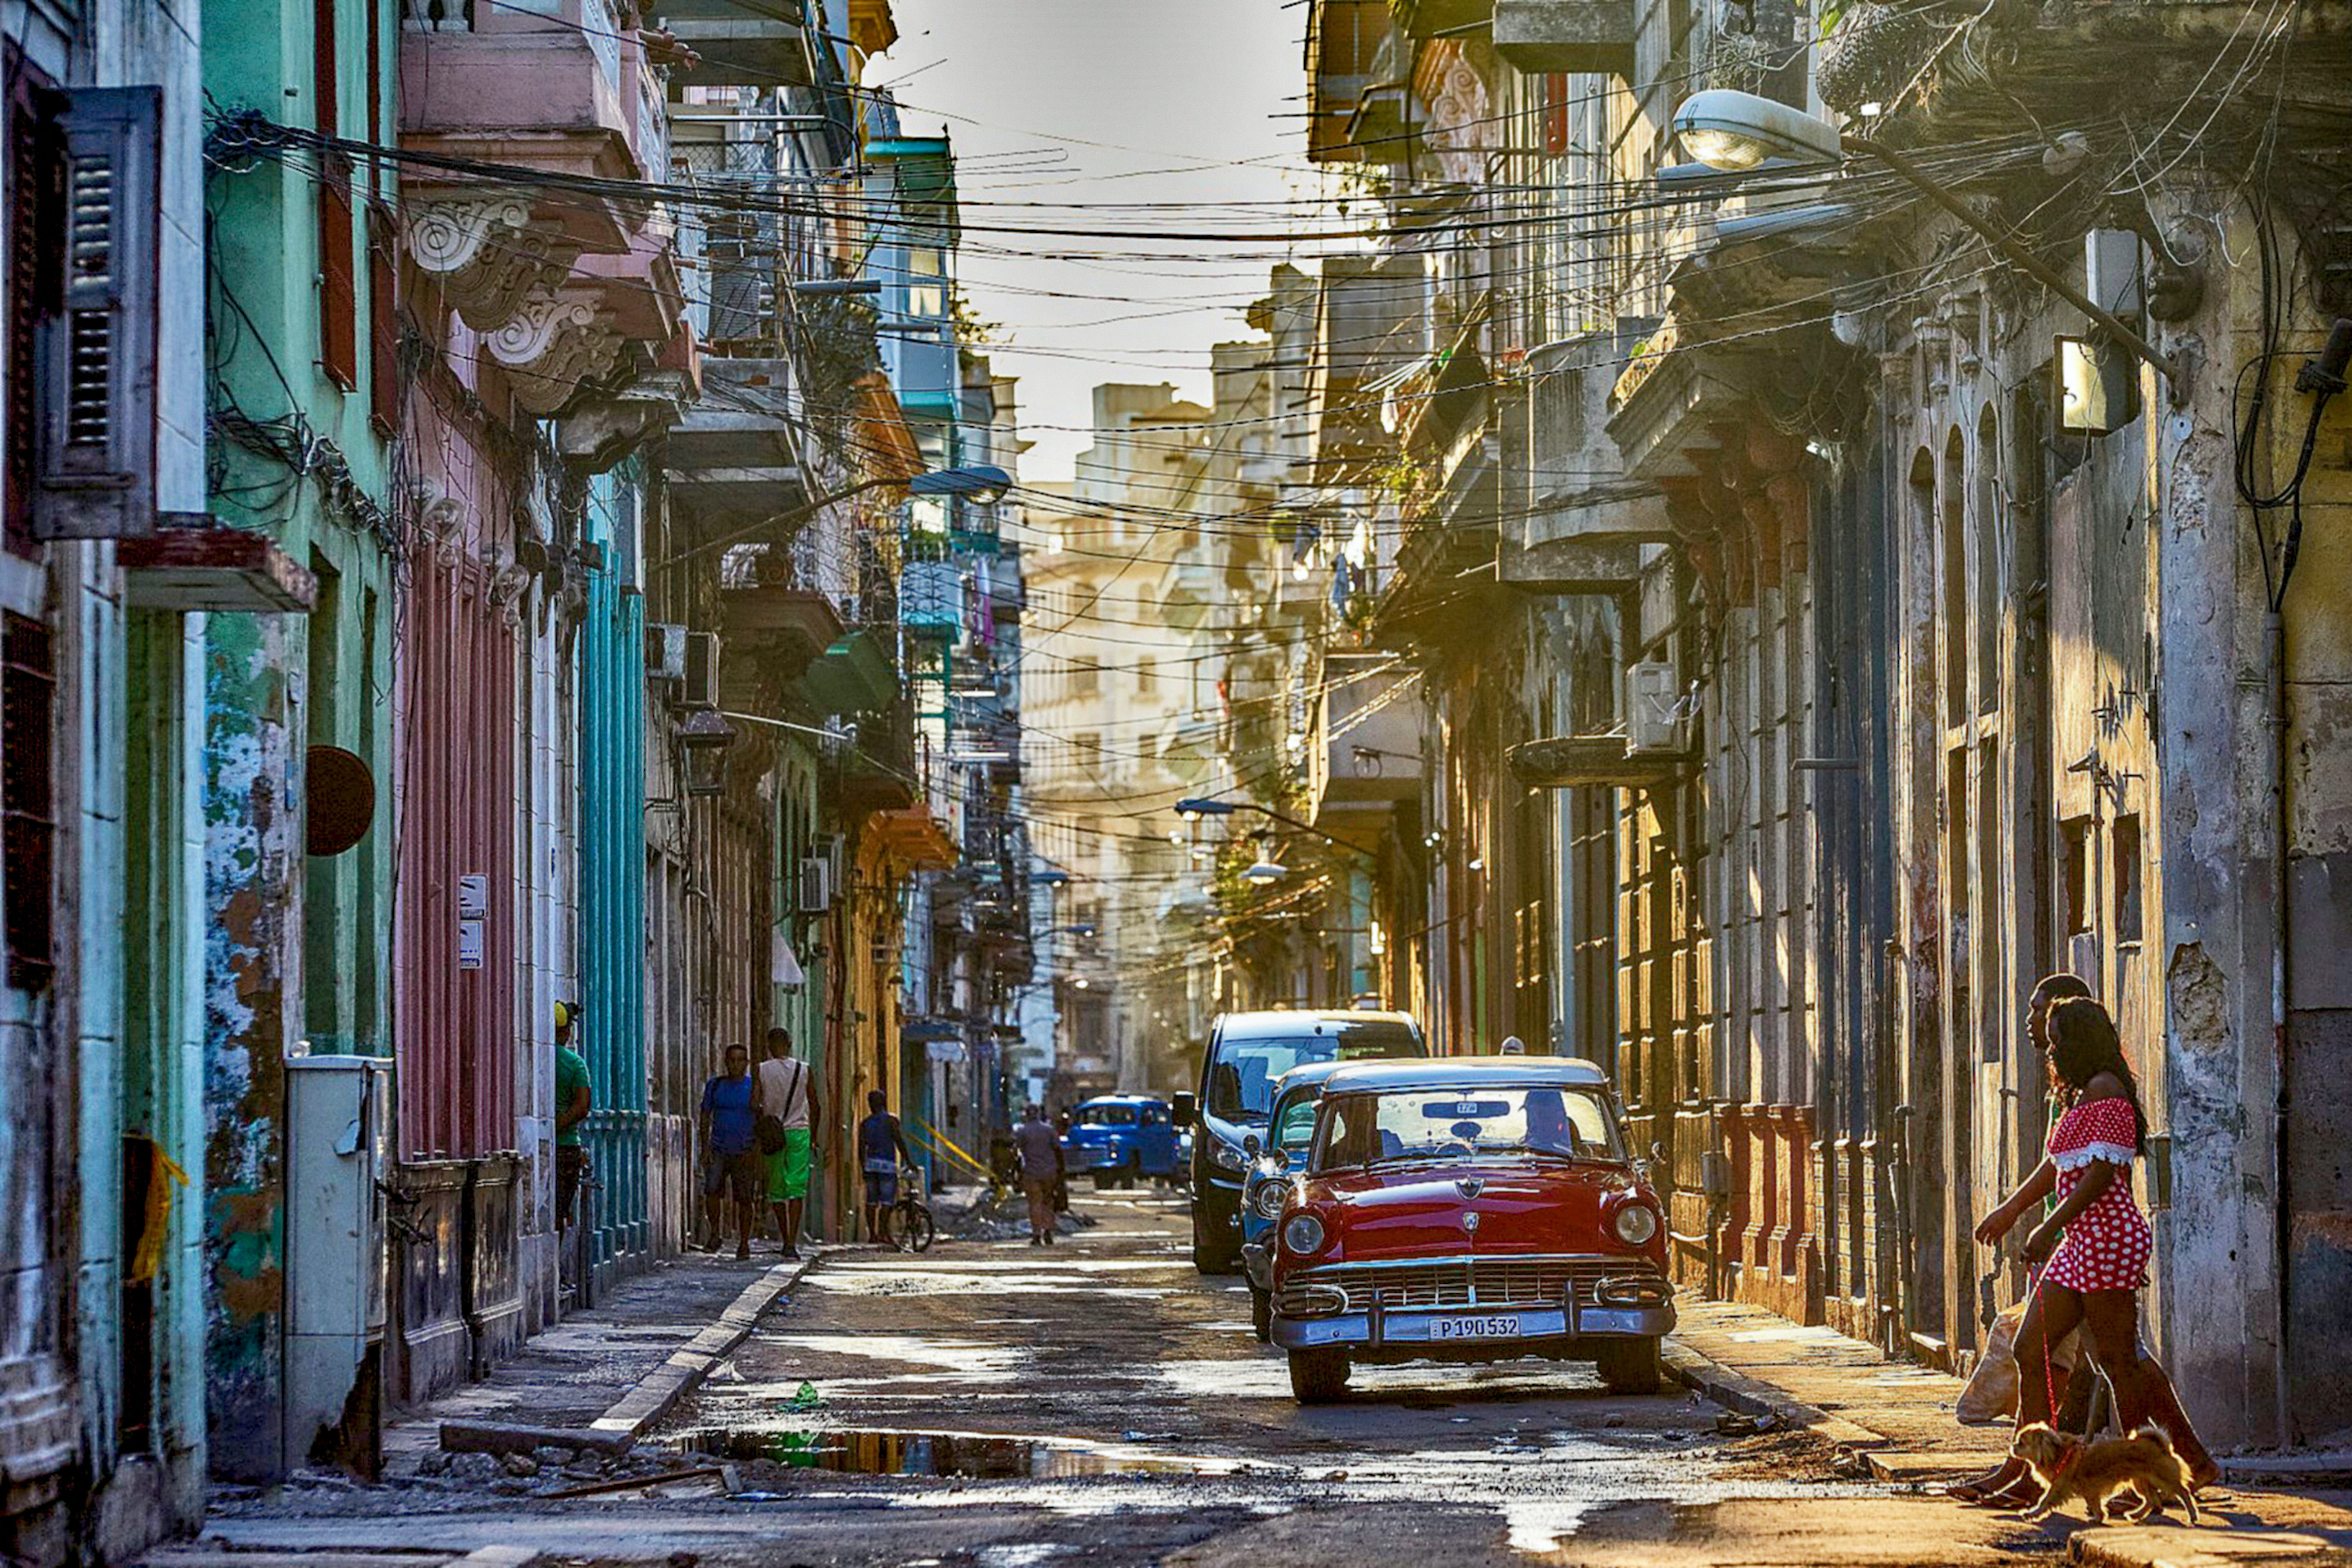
(702, 742)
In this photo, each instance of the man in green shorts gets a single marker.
(572, 1101)
(786, 1093)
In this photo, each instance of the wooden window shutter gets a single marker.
(339, 351)
(28, 828)
(384, 324)
(36, 176)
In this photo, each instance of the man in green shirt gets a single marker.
(572, 1105)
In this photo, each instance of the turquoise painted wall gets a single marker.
(612, 688)
(295, 948)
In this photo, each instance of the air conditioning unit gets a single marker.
(664, 651)
(701, 671)
(1653, 710)
(96, 337)
(816, 885)
(831, 846)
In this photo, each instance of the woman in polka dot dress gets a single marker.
(2096, 1241)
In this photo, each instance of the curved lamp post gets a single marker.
(1740, 131)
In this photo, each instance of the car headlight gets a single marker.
(1302, 1234)
(1225, 1157)
(1269, 1199)
(1635, 1223)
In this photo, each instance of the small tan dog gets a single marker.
(2068, 1468)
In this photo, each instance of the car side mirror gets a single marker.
(1250, 1145)
(1184, 1109)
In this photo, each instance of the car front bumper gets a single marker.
(1379, 1330)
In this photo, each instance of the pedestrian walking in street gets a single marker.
(881, 1149)
(1040, 1171)
(786, 1104)
(2091, 1251)
(573, 1101)
(731, 1168)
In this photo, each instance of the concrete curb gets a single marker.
(658, 1393)
(1748, 1395)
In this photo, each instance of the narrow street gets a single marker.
(989, 1404)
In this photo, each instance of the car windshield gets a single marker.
(1241, 1083)
(1106, 1116)
(1413, 1124)
(1293, 1119)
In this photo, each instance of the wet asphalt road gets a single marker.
(1162, 1432)
(1109, 1405)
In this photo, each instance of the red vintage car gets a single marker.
(1471, 1208)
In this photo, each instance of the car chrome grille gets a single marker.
(1455, 1282)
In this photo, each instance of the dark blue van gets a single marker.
(1119, 1137)
(1247, 1052)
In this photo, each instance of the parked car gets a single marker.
(1470, 1209)
(1120, 1138)
(1272, 1177)
(1246, 1052)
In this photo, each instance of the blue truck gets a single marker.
(1120, 1139)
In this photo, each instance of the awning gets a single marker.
(854, 676)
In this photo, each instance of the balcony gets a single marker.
(1585, 526)
(878, 770)
(1594, 36)
(1373, 759)
(1433, 18)
(732, 455)
(931, 600)
(738, 44)
(1342, 37)
(791, 627)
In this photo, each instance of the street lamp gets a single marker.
(1193, 808)
(1739, 132)
(702, 742)
(982, 484)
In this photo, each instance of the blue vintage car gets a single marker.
(1120, 1138)
(1266, 1185)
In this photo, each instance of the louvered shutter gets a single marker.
(97, 352)
(384, 324)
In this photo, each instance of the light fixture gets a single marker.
(1192, 810)
(702, 742)
(1079, 983)
(1266, 870)
(1726, 129)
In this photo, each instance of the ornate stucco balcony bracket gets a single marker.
(489, 251)
(558, 339)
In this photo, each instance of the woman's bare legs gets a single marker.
(2143, 1391)
(2049, 1317)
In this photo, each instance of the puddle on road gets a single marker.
(964, 1456)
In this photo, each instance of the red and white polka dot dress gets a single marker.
(2107, 1247)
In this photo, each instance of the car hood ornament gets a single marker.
(1470, 1187)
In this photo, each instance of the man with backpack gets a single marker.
(785, 1102)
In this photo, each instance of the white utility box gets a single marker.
(337, 1144)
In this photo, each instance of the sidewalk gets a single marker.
(1898, 1420)
(618, 1367)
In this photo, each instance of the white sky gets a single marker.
(1101, 101)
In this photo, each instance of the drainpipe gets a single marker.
(2274, 761)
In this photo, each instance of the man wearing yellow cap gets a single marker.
(573, 1100)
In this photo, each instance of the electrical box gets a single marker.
(338, 1151)
(701, 671)
(1654, 720)
(2112, 271)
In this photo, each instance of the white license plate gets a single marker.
(1493, 1326)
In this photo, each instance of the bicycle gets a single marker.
(907, 1223)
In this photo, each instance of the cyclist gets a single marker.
(880, 1148)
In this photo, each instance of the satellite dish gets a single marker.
(339, 800)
